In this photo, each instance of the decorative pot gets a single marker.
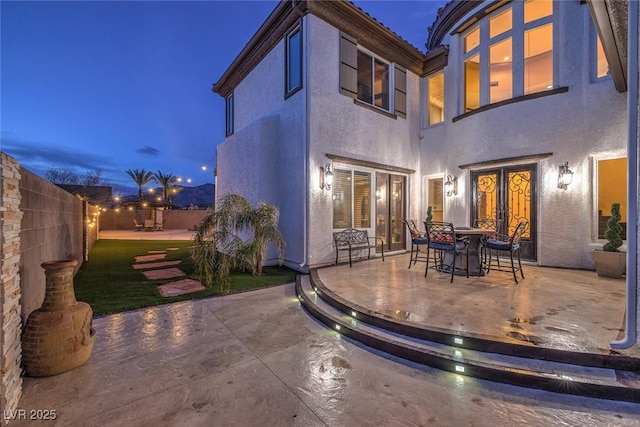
(609, 264)
(58, 336)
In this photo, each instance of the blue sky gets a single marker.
(116, 85)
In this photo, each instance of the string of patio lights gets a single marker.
(186, 178)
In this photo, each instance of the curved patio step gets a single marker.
(470, 340)
(559, 377)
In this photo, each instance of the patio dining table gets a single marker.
(472, 254)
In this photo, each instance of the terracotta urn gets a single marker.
(58, 336)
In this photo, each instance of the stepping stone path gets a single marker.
(154, 257)
(155, 264)
(180, 287)
(155, 271)
(164, 273)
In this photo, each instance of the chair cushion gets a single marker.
(498, 245)
(441, 246)
(442, 238)
(420, 241)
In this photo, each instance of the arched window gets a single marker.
(508, 54)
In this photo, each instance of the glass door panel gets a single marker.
(382, 213)
(397, 212)
(390, 210)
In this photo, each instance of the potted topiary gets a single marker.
(429, 214)
(609, 261)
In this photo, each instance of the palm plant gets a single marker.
(140, 177)
(235, 236)
(166, 181)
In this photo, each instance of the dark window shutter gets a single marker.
(400, 91)
(348, 66)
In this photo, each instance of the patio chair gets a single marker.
(149, 225)
(417, 239)
(492, 225)
(137, 226)
(442, 238)
(504, 243)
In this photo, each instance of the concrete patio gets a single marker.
(571, 310)
(258, 358)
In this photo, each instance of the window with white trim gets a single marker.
(351, 199)
(373, 80)
(293, 61)
(600, 65)
(611, 188)
(229, 115)
(495, 67)
(435, 98)
(369, 79)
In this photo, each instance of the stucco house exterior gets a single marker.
(507, 93)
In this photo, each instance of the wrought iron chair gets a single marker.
(504, 243)
(492, 225)
(441, 237)
(417, 239)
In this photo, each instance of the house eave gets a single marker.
(268, 35)
(342, 14)
(610, 18)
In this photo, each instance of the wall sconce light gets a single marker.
(451, 186)
(326, 177)
(565, 176)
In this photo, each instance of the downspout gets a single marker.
(631, 317)
(305, 146)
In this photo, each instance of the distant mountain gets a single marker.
(201, 196)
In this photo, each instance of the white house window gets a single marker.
(435, 97)
(500, 71)
(229, 115)
(602, 67)
(538, 59)
(510, 54)
(472, 83)
(373, 80)
(293, 59)
(351, 199)
(370, 80)
(612, 188)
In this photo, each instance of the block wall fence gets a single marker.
(171, 219)
(39, 222)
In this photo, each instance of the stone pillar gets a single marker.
(10, 322)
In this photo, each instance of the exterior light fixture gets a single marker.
(203, 167)
(565, 176)
(326, 177)
(451, 186)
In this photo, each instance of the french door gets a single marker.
(508, 194)
(390, 209)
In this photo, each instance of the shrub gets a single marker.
(614, 229)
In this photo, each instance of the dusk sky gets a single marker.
(116, 85)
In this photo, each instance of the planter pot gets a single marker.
(58, 336)
(610, 264)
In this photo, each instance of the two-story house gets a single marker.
(511, 98)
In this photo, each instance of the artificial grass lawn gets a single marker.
(109, 283)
